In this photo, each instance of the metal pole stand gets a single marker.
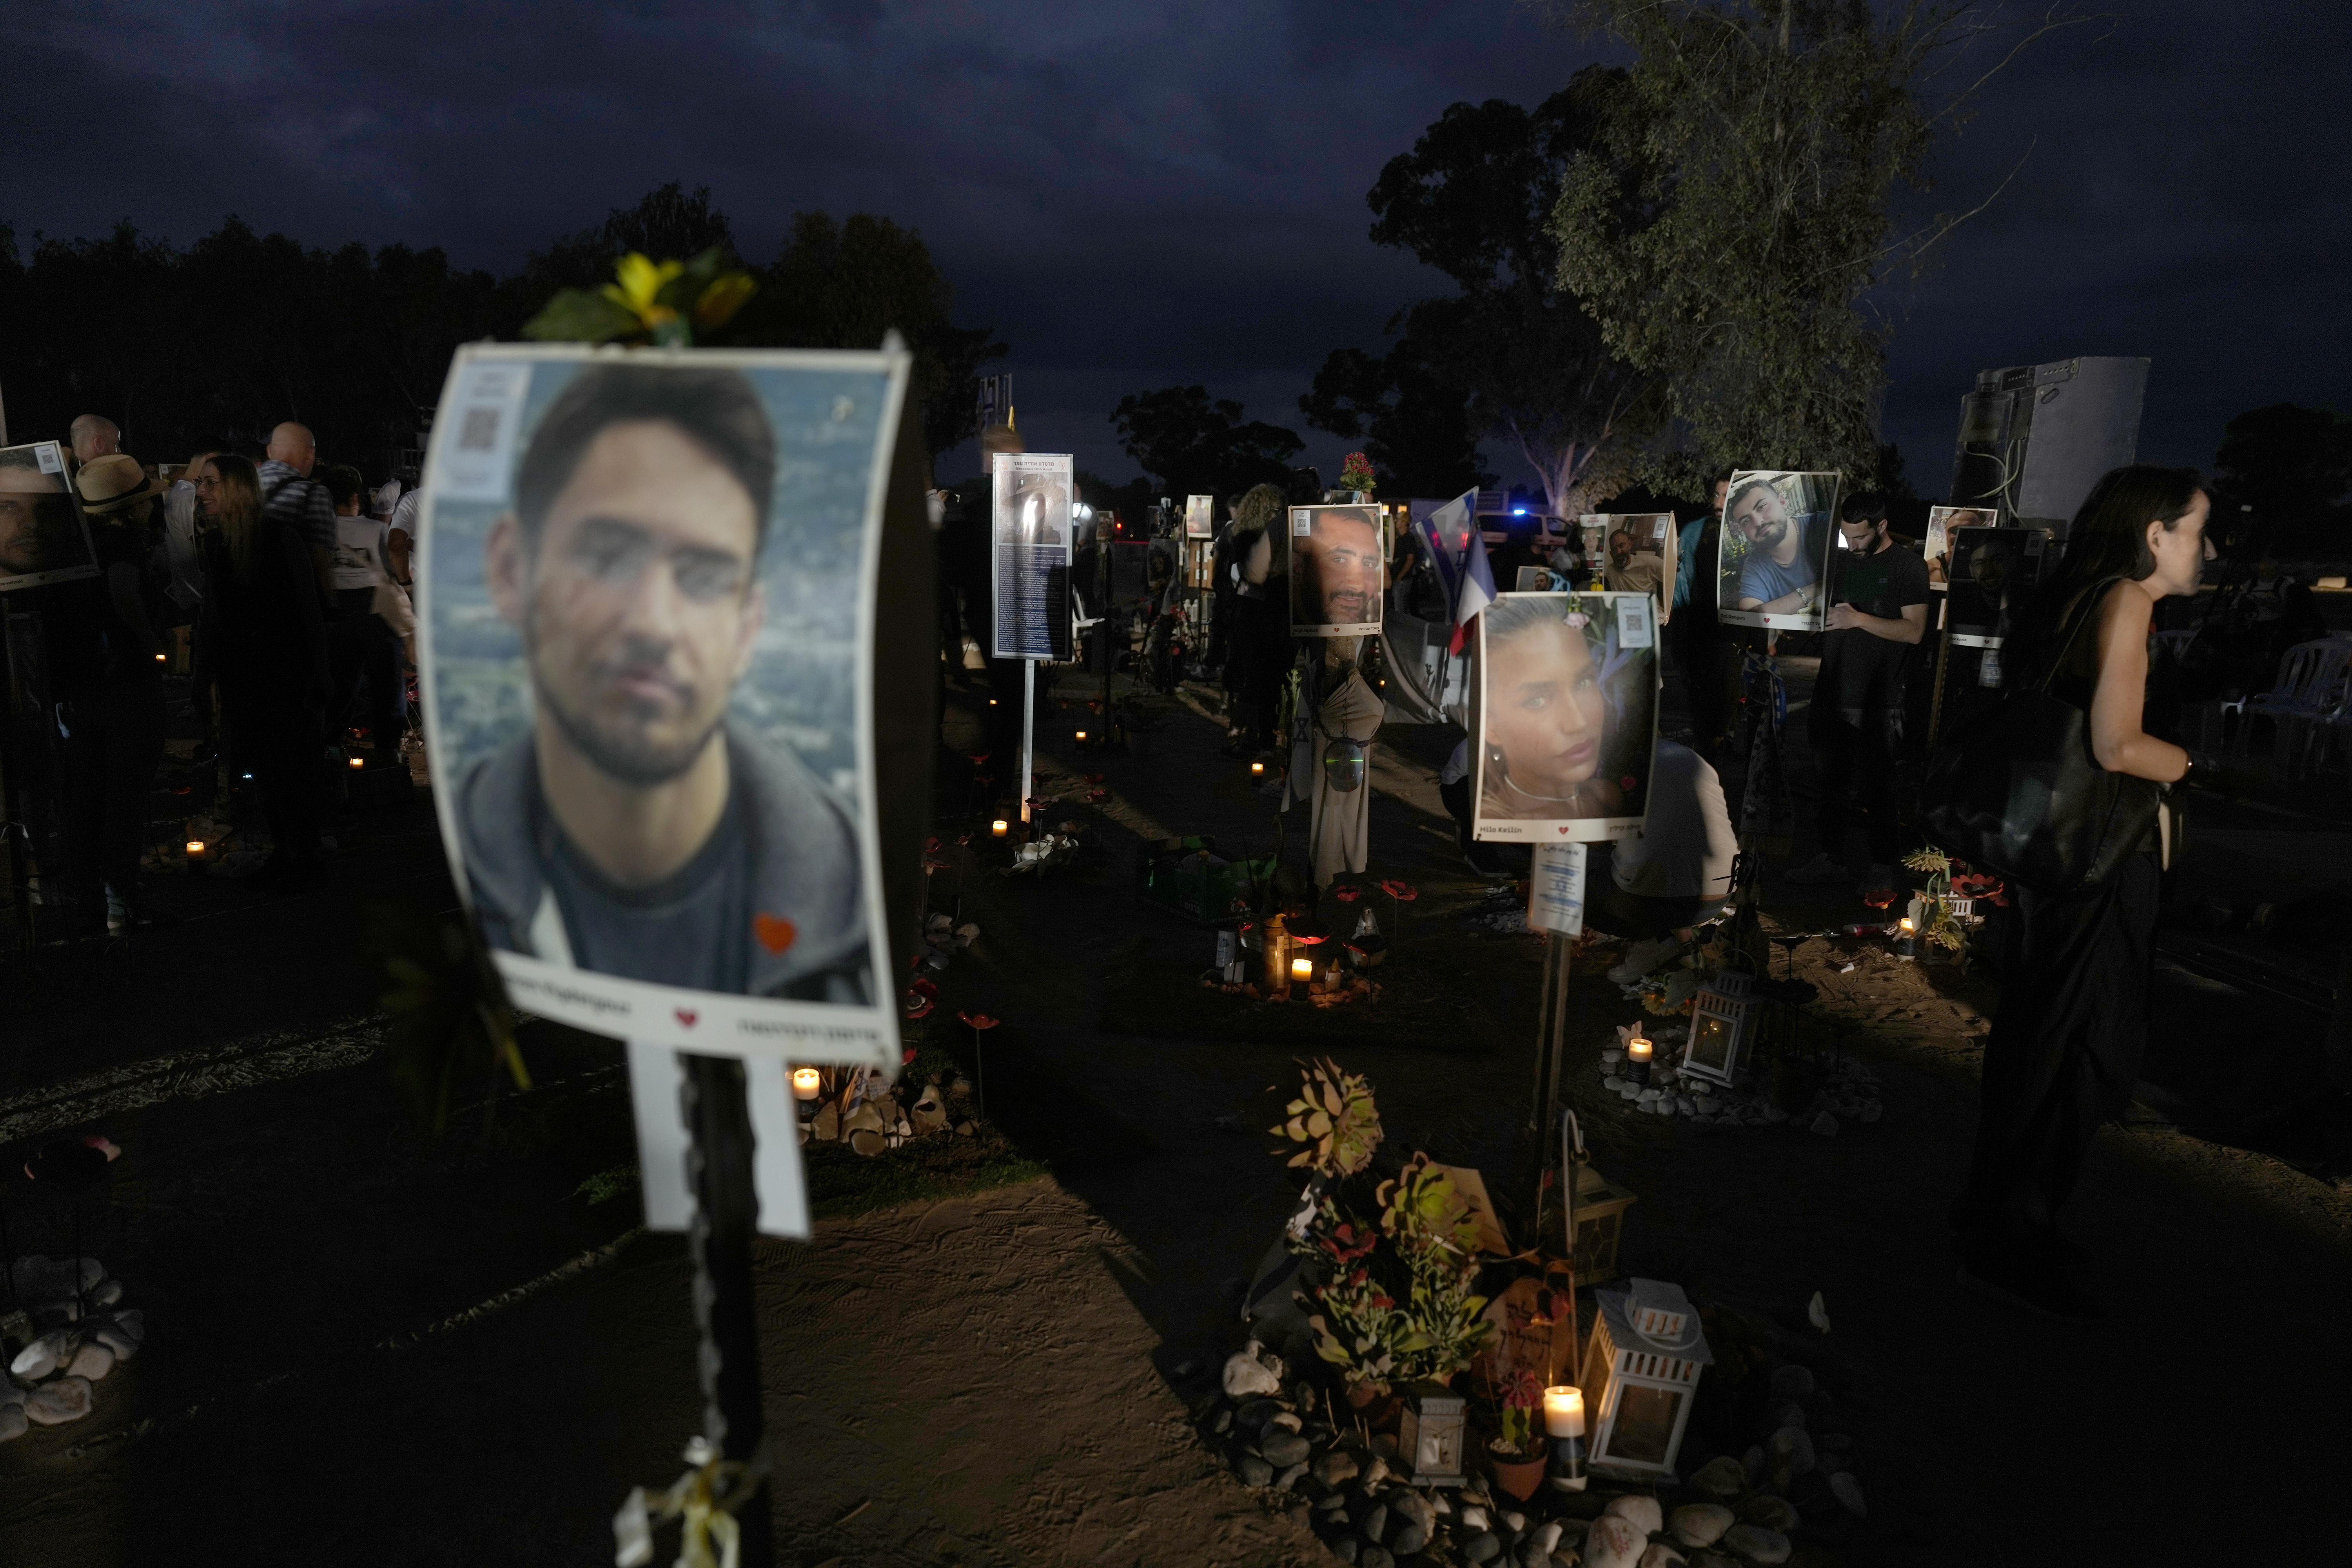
(726, 1215)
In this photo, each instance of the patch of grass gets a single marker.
(844, 1182)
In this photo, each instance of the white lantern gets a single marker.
(1640, 1369)
(1722, 1028)
(1429, 1436)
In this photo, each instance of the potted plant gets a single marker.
(1390, 1300)
(1517, 1455)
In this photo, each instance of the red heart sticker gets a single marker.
(686, 1017)
(775, 932)
(1564, 828)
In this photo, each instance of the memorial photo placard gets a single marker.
(1029, 527)
(646, 624)
(44, 537)
(1567, 720)
(1779, 528)
(1338, 569)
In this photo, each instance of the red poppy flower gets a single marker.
(919, 1006)
(1347, 893)
(978, 757)
(908, 1056)
(1383, 1302)
(932, 844)
(1399, 891)
(933, 863)
(1098, 795)
(978, 1020)
(923, 985)
(963, 838)
(1879, 898)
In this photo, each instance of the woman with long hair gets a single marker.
(1546, 729)
(2065, 1046)
(264, 641)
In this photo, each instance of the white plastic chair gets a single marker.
(2309, 689)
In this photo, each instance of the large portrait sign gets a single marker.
(1777, 531)
(1029, 546)
(1566, 729)
(1338, 571)
(648, 587)
(43, 536)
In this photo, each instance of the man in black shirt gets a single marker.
(634, 831)
(1877, 614)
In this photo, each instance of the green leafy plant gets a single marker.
(1399, 1302)
(662, 303)
(1335, 1117)
(1357, 473)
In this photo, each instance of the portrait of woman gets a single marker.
(1568, 707)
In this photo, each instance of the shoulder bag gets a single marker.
(2017, 793)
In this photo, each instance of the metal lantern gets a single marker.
(1722, 1028)
(1641, 1368)
(1596, 1218)
(1429, 1436)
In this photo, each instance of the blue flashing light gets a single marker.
(1519, 511)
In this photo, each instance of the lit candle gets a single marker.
(1257, 770)
(804, 1086)
(1302, 970)
(1564, 1411)
(195, 848)
(159, 658)
(352, 763)
(1637, 1059)
(997, 829)
(1082, 734)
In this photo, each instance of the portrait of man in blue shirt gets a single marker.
(1781, 573)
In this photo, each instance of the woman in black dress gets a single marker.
(2065, 1046)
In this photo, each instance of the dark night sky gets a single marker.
(1146, 193)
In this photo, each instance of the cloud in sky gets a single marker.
(1150, 193)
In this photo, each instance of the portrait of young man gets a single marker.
(636, 828)
(1779, 572)
(39, 533)
(1337, 585)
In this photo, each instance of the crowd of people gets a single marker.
(280, 588)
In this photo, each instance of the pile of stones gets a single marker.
(77, 1339)
(1849, 1094)
(1796, 1489)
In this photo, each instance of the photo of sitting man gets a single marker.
(1781, 573)
(635, 830)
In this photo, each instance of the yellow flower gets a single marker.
(641, 281)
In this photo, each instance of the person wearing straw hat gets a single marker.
(115, 718)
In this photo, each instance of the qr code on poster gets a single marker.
(479, 432)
